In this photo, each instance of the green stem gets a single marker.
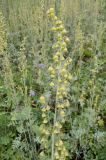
(53, 143)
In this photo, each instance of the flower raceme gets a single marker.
(59, 83)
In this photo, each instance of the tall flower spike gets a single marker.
(60, 76)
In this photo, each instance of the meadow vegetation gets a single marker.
(52, 79)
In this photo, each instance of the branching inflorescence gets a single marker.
(59, 83)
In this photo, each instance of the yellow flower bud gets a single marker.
(62, 113)
(58, 125)
(58, 93)
(65, 50)
(52, 76)
(56, 144)
(43, 140)
(66, 153)
(65, 82)
(53, 72)
(70, 77)
(50, 69)
(58, 22)
(58, 53)
(51, 9)
(62, 58)
(60, 143)
(64, 31)
(66, 64)
(63, 45)
(63, 71)
(65, 93)
(53, 29)
(55, 58)
(47, 132)
(43, 115)
(60, 39)
(62, 89)
(101, 122)
(60, 106)
(67, 103)
(67, 39)
(45, 121)
(43, 130)
(55, 46)
(42, 154)
(47, 108)
(51, 84)
(50, 12)
(65, 76)
(60, 28)
(55, 18)
(90, 82)
(60, 96)
(42, 100)
(69, 60)
(57, 155)
(43, 109)
(59, 149)
(56, 131)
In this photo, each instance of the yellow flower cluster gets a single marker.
(60, 78)
(44, 129)
(61, 152)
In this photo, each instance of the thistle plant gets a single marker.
(59, 83)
